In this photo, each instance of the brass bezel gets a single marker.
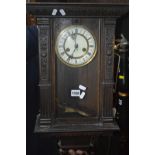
(72, 65)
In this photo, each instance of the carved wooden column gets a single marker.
(44, 74)
(109, 33)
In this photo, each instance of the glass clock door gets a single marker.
(77, 62)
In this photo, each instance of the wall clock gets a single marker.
(76, 70)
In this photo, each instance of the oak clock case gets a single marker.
(76, 72)
(76, 67)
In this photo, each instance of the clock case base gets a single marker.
(85, 128)
(95, 139)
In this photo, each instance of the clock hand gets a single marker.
(74, 36)
(76, 45)
(73, 52)
(76, 48)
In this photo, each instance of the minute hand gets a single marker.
(74, 36)
(76, 47)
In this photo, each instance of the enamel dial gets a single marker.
(76, 46)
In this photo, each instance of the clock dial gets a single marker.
(76, 46)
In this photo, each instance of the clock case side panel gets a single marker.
(107, 62)
(44, 118)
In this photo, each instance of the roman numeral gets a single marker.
(68, 59)
(89, 53)
(84, 59)
(69, 33)
(62, 53)
(60, 46)
(91, 45)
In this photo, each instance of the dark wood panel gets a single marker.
(72, 9)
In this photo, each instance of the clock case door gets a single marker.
(67, 107)
(59, 112)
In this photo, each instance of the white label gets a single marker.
(75, 93)
(82, 87)
(62, 12)
(82, 95)
(54, 12)
(120, 102)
